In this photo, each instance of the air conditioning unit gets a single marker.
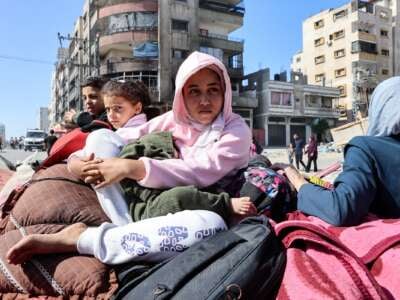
(329, 43)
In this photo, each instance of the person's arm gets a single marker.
(231, 152)
(112, 170)
(70, 116)
(349, 201)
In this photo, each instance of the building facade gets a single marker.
(148, 40)
(43, 119)
(3, 134)
(290, 107)
(353, 48)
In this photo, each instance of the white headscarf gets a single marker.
(384, 109)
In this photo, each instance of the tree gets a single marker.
(319, 126)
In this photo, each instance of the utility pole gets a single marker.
(82, 44)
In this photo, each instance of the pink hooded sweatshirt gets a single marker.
(207, 153)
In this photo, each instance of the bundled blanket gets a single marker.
(51, 200)
(326, 262)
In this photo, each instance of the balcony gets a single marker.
(235, 72)
(121, 40)
(326, 112)
(222, 7)
(322, 105)
(246, 99)
(222, 15)
(368, 37)
(367, 56)
(221, 41)
(111, 31)
(128, 64)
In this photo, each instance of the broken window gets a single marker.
(132, 21)
(326, 102)
(384, 33)
(180, 25)
(366, 6)
(179, 54)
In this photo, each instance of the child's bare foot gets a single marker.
(60, 242)
(243, 206)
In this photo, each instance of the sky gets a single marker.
(272, 32)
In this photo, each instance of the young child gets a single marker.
(124, 102)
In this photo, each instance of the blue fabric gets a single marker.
(148, 49)
(298, 146)
(369, 183)
(384, 109)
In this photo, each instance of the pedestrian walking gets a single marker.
(312, 153)
(49, 141)
(298, 151)
(290, 153)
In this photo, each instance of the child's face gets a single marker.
(204, 96)
(120, 110)
(92, 101)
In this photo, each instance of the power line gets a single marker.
(25, 59)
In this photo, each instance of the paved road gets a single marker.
(15, 156)
(325, 159)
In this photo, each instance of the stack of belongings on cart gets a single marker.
(246, 261)
(51, 200)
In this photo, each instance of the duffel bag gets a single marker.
(245, 262)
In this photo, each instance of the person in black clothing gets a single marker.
(257, 146)
(93, 104)
(298, 151)
(50, 140)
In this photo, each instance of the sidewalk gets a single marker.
(325, 159)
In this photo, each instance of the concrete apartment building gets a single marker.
(290, 107)
(3, 134)
(43, 119)
(148, 40)
(353, 48)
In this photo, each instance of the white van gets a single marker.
(34, 139)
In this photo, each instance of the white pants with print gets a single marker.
(152, 239)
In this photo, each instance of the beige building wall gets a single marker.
(332, 54)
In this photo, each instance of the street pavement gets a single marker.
(15, 156)
(274, 154)
(324, 160)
